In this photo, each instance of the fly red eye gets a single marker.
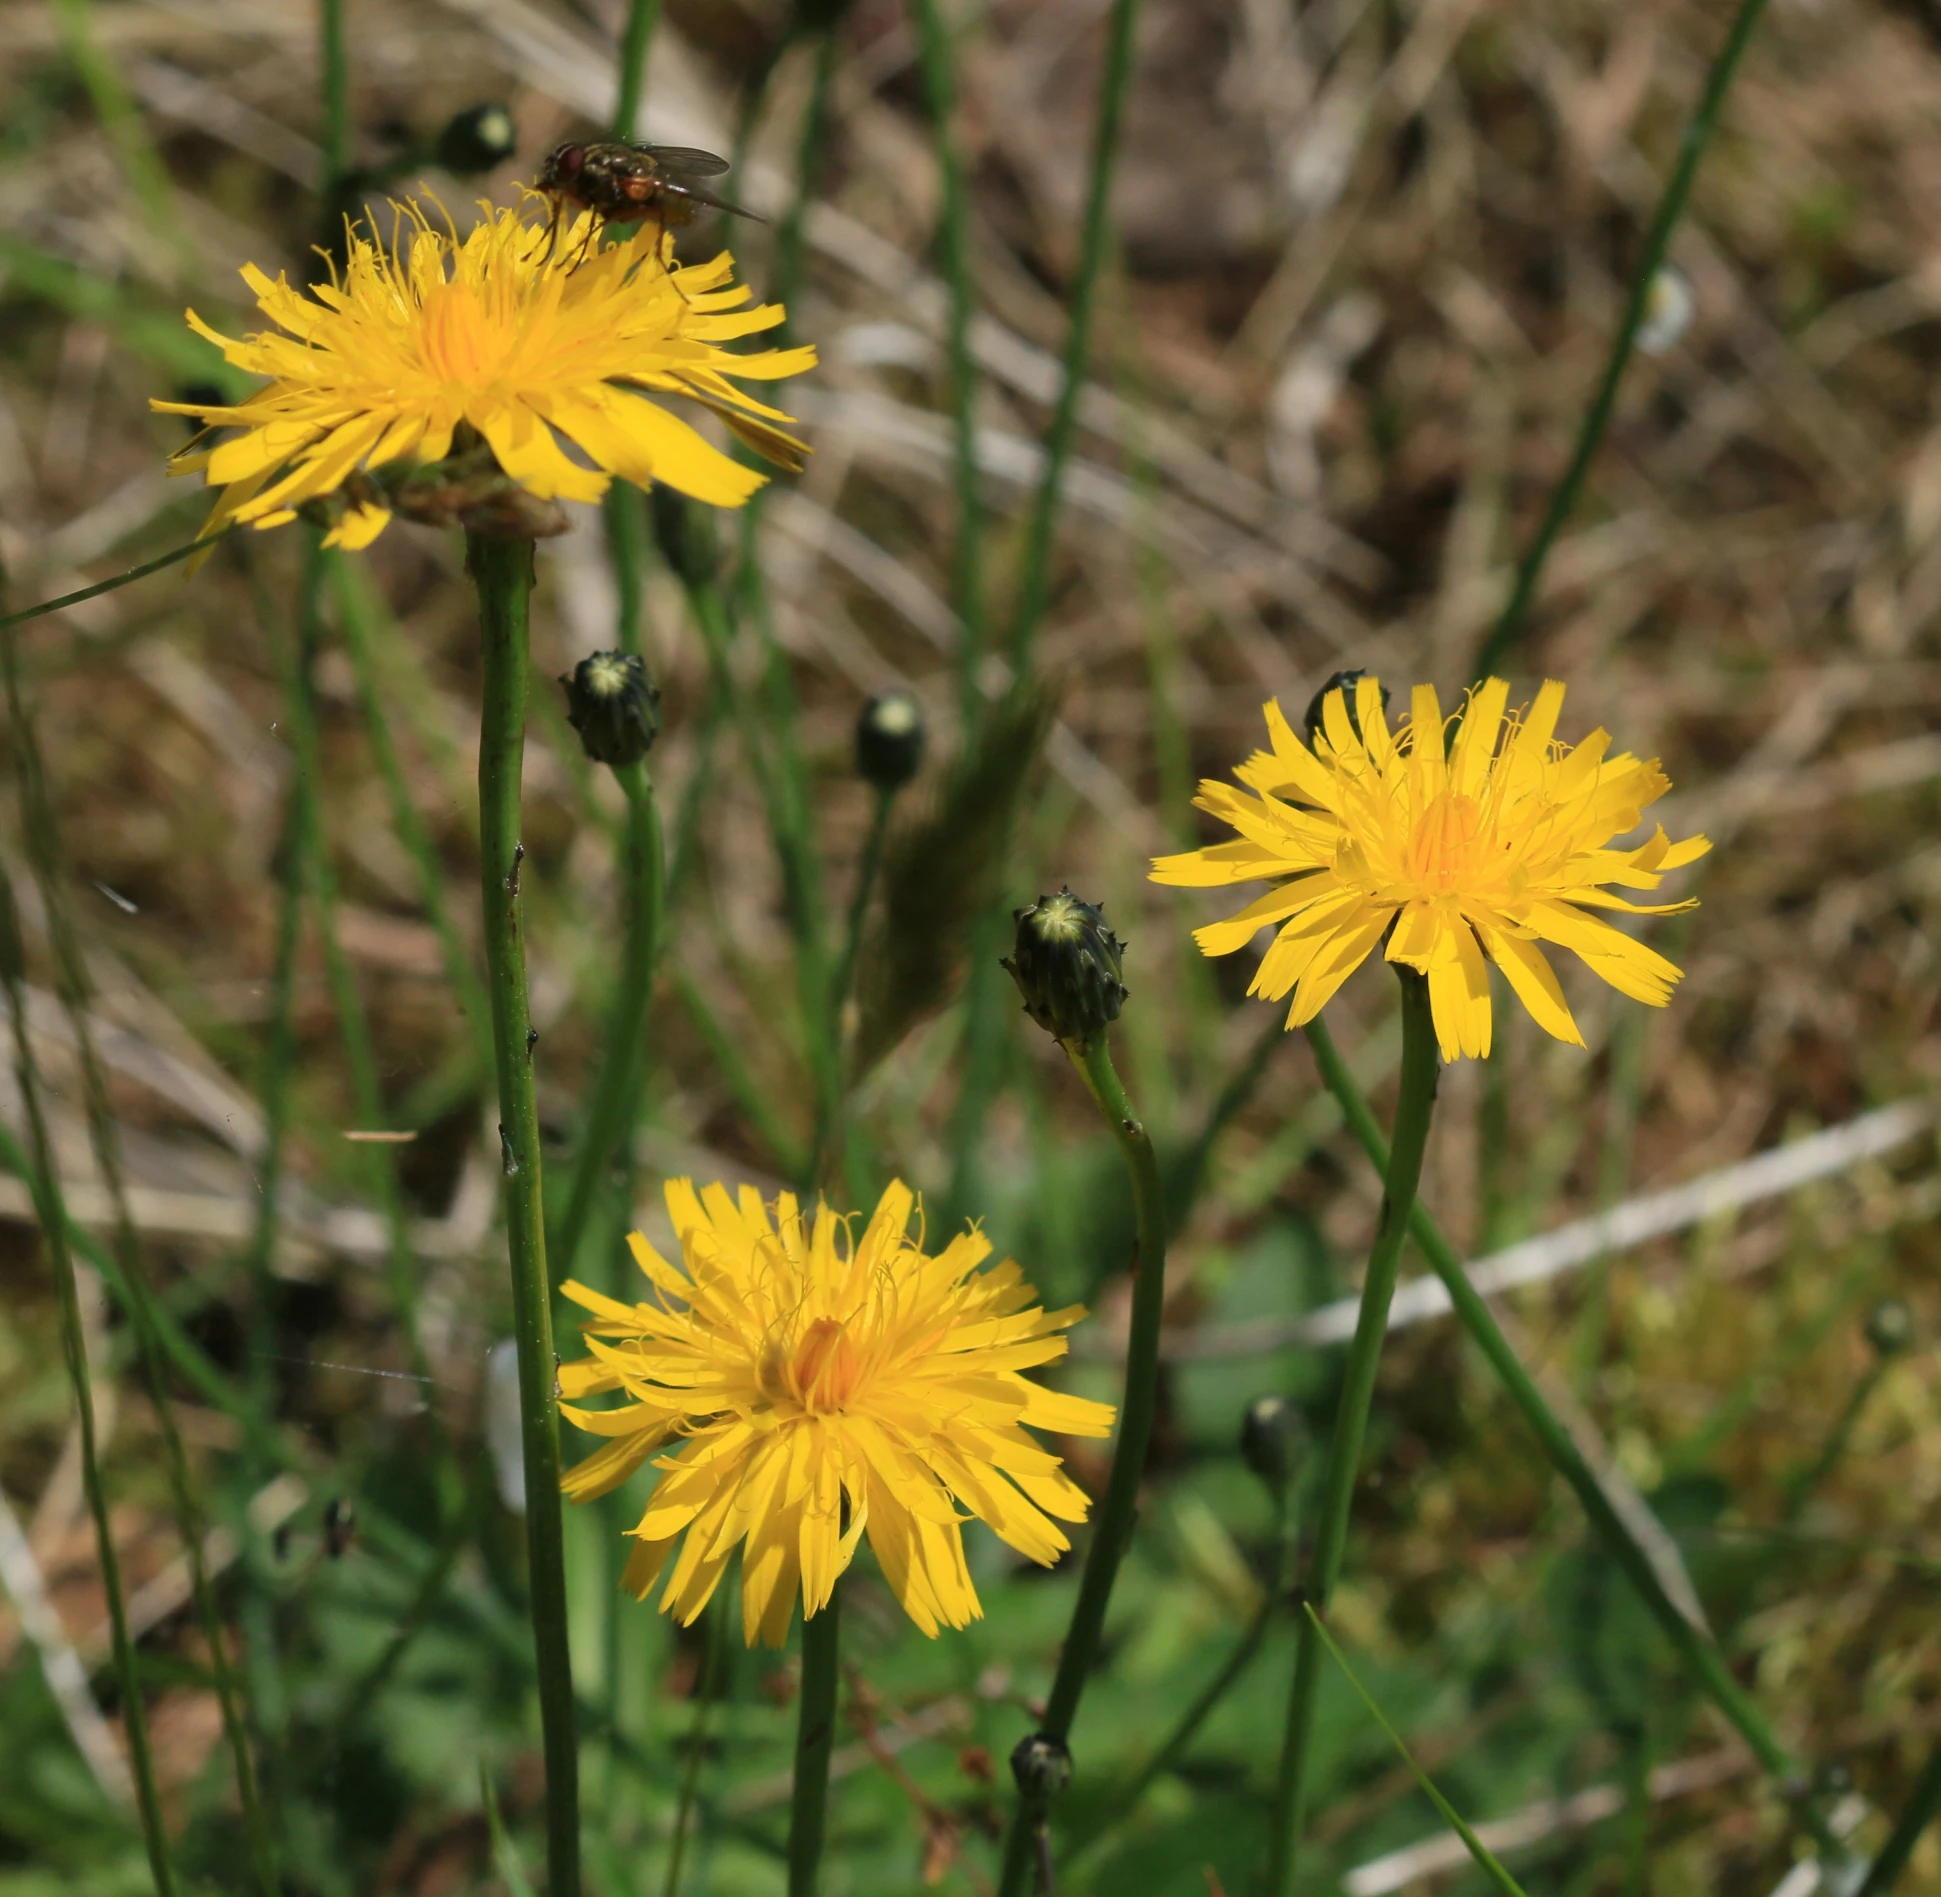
(568, 160)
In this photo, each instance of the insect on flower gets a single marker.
(623, 182)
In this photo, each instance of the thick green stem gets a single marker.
(1915, 1818)
(815, 1741)
(333, 67)
(611, 1116)
(501, 569)
(960, 275)
(626, 519)
(1413, 1111)
(1112, 1532)
(1699, 1653)
(1597, 418)
(642, 16)
(43, 1179)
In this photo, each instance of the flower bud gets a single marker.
(614, 706)
(685, 534)
(1042, 1766)
(1345, 683)
(1272, 1436)
(1066, 963)
(1890, 1327)
(481, 138)
(889, 740)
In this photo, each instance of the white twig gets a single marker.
(1656, 1215)
(67, 1678)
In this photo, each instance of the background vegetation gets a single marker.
(1368, 260)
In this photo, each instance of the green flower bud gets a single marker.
(889, 740)
(614, 706)
(481, 138)
(1066, 963)
(685, 534)
(1272, 1436)
(1042, 1766)
(1345, 683)
(1890, 1327)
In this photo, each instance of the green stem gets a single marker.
(502, 572)
(73, 987)
(829, 1132)
(626, 521)
(1034, 584)
(333, 62)
(811, 143)
(1127, 1797)
(1414, 1109)
(1113, 1531)
(379, 1161)
(960, 276)
(718, 1637)
(156, 565)
(815, 1741)
(642, 15)
(1915, 1818)
(121, 119)
(611, 1114)
(359, 619)
(1699, 1653)
(1804, 1483)
(1597, 418)
(50, 1209)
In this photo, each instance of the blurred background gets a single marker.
(1369, 258)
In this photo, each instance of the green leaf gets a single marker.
(1477, 1848)
(504, 1855)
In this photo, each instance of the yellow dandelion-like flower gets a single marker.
(824, 1390)
(1471, 853)
(528, 343)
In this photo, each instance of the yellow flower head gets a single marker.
(822, 1390)
(1471, 854)
(525, 341)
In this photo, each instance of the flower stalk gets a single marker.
(43, 1180)
(1413, 1112)
(1694, 1647)
(1113, 1531)
(617, 1089)
(1597, 417)
(815, 1738)
(501, 571)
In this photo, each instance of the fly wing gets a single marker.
(693, 195)
(685, 159)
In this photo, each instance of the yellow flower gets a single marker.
(1471, 853)
(523, 341)
(823, 1390)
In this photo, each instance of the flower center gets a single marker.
(1446, 853)
(822, 1372)
(461, 343)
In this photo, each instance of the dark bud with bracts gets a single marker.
(614, 706)
(1890, 1327)
(479, 139)
(1272, 1437)
(1067, 965)
(889, 740)
(1042, 1766)
(1344, 683)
